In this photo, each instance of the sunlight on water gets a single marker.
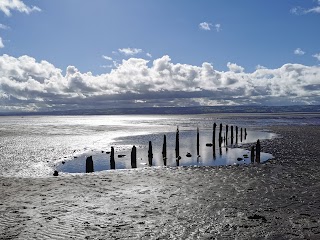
(36, 145)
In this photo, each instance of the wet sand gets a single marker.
(276, 200)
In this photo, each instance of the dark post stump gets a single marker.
(241, 134)
(236, 134)
(89, 165)
(258, 149)
(220, 130)
(134, 157)
(150, 154)
(177, 144)
(252, 154)
(227, 129)
(164, 150)
(198, 142)
(214, 134)
(231, 134)
(112, 162)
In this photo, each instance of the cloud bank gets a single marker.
(28, 85)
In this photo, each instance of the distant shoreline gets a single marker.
(311, 109)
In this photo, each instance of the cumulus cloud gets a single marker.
(205, 26)
(130, 51)
(26, 84)
(1, 43)
(6, 6)
(298, 51)
(107, 58)
(149, 55)
(317, 56)
(4, 27)
(218, 27)
(300, 10)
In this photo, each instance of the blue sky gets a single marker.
(86, 42)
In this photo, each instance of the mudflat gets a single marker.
(275, 200)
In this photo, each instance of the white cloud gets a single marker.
(317, 56)
(149, 55)
(130, 51)
(4, 27)
(1, 43)
(300, 10)
(218, 27)
(233, 67)
(107, 58)
(205, 26)
(28, 84)
(298, 51)
(7, 6)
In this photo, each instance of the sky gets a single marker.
(77, 54)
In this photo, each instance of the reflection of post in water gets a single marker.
(241, 135)
(258, 148)
(150, 154)
(89, 165)
(214, 152)
(245, 134)
(112, 162)
(252, 154)
(220, 150)
(177, 145)
(231, 135)
(236, 134)
(198, 160)
(164, 150)
(134, 157)
(214, 134)
(198, 143)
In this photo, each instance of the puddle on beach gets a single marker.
(229, 153)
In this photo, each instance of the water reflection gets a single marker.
(180, 148)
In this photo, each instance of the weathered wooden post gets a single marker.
(236, 134)
(220, 131)
(258, 149)
(150, 154)
(241, 134)
(134, 157)
(227, 129)
(89, 165)
(198, 142)
(245, 134)
(214, 134)
(252, 154)
(231, 135)
(164, 150)
(177, 144)
(112, 162)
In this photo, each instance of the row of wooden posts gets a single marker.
(255, 151)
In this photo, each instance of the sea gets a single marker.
(36, 146)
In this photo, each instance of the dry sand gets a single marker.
(276, 200)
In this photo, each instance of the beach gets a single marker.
(275, 200)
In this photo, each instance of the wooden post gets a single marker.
(198, 142)
(164, 150)
(258, 148)
(150, 154)
(134, 157)
(89, 165)
(214, 134)
(236, 134)
(177, 144)
(241, 134)
(227, 129)
(231, 135)
(220, 131)
(245, 134)
(252, 154)
(112, 162)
